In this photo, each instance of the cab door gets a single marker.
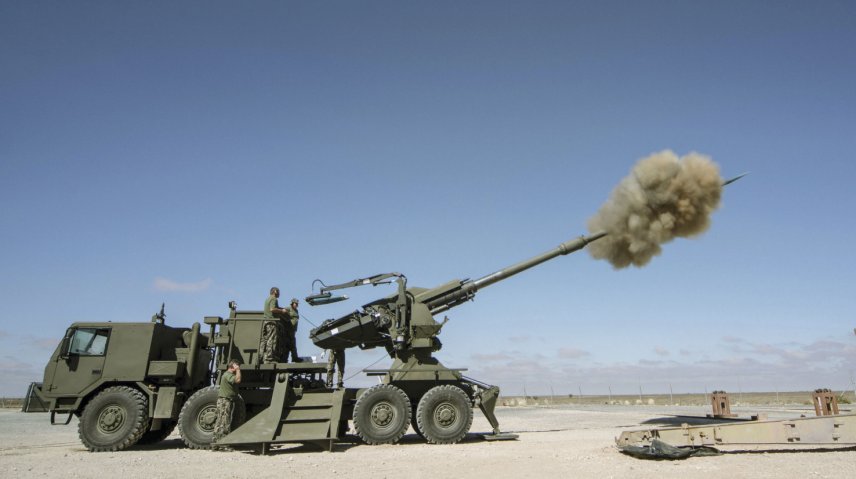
(80, 362)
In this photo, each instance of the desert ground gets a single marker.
(555, 440)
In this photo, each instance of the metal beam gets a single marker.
(824, 431)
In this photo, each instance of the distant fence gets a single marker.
(11, 403)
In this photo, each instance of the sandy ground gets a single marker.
(566, 441)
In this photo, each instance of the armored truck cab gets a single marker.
(126, 382)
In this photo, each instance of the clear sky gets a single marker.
(199, 152)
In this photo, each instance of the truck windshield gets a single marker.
(89, 342)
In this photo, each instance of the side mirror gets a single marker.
(66, 344)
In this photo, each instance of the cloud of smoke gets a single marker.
(662, 198)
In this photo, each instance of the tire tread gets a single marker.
(364, 401)
(427, 430)
(140, 425)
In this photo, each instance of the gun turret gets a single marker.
(403, 322)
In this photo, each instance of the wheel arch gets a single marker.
(100, 386)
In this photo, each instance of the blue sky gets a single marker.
(199, 152)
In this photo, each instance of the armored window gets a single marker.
(89, 342)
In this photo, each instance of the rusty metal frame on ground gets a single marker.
(799, 433)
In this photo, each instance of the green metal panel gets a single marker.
(172, 369)
(165, 406)
(245, 331)
(129, 351)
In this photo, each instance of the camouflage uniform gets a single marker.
(289, 337)
(335, 360)
(270, 349)
(223, 426)
(225, 405)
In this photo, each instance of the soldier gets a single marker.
(226, 400)
(290, 339)
(335, 360)
(274, 330)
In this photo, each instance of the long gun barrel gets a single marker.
(446, 298)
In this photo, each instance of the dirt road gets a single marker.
(567, 441)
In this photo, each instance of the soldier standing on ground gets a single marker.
(274, 330)
(291, 317)
(226, 400)
(335, 360)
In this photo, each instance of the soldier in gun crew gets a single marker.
(291, 316)
(226, 401)
(335, 360)
(274, 329)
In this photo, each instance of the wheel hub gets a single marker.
(207, 418)
(445, 415)
(111, 419)
(382, 414)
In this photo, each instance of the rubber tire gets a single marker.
(154, 437)
(197, 416)
(454, 404)
(129, 404)
(386, 399)
(415, 425)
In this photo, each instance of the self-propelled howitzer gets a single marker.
(132, 383)
(404, 324)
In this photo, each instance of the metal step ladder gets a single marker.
(295, 415)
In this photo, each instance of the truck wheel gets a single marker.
(444, 415)
(156, 436)
(198, 415)
(382, 414)
(415, 425)
(114, 419)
